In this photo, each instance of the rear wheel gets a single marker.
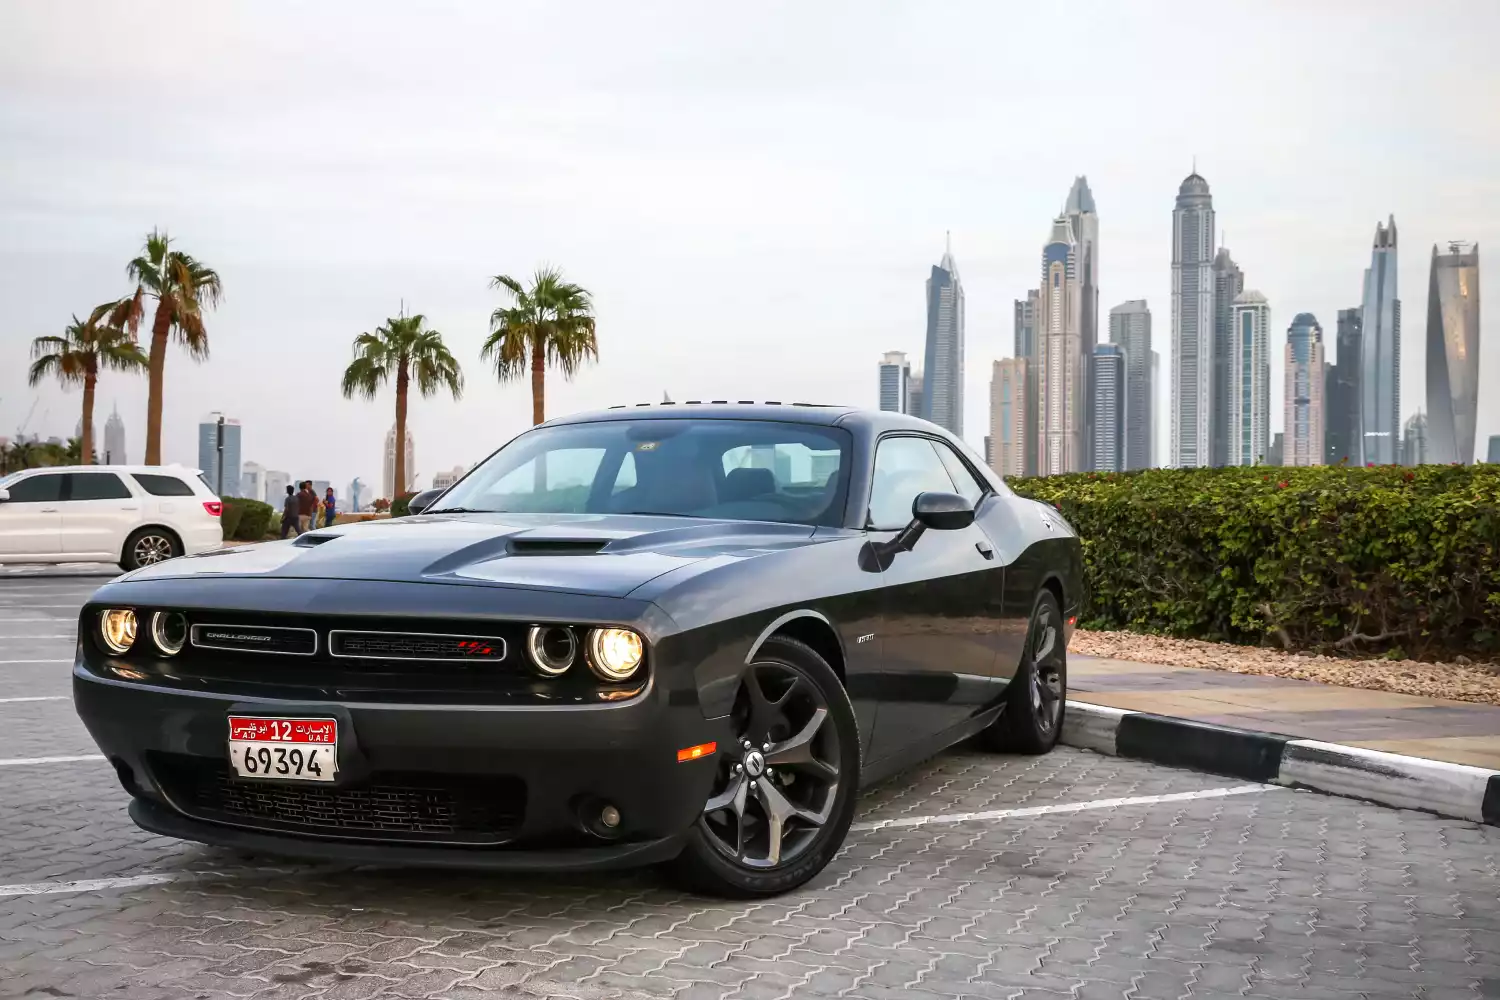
(1037, 696)
(784, 794)
(148, 546)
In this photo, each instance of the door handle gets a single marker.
(49, 510)
(985, 549)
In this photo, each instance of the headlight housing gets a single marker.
(117, 629)
(169, 630)
(615, 654)
(551, 649)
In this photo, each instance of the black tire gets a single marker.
(1037, 698)
(148, 546)
(822, 787)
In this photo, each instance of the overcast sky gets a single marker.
(753, 194)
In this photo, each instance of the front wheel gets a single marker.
(784, 795)
(1036, 699)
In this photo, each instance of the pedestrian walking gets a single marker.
(330, 508)
(289, 510)
(307, 506)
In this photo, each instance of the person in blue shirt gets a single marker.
(330, 508)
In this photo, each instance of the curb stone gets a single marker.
(1456, 790)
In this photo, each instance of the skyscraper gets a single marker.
(1192, 324)
(1380, 353)
(390, 463)
(1083, 218)
(208, 454)
(1493, 455)
(276, 484)
(1130, 329)
(914, 393)
(1453, 353)
(114, 440)
(253, 482)
(943, 366)
(895, 372)
(1343, 441)
(1250, 381)
(1009, 429)
(1414, 440)
(1302, 398)
(1229, 281)
(1026, 347)
(1062, 384)
(1111, 407)
(1274, 452)
(1155, 381)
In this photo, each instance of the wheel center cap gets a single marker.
(755, 764)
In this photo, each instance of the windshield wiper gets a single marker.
(662, 513)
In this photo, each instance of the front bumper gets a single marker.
(556, 765)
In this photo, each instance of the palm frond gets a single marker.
(364, 377)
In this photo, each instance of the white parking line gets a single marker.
(36, 697)
(51, 635)
(5, 662)
(1062, 807)
(26, 761)
(28, 621)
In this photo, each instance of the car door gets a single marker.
(31, 520)
(937, 652)
(98, 511)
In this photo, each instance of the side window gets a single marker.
(968, 487)
(163, 486)
(96, 486)
(904, 467)
(37, 489)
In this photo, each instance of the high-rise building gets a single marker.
(1302, 398)
(1380, 353)
(1275, 452)
(208, 453)
(253, 482)
(1026, 347)
(1414, 440)
(943, 365)
(389, 481)
(1250, 381)
(114, 440)
(1130, 329)
(1009, 416)
(895, 373)
(1111, 407)
(276, 484)
(1062, 384)
(1155, 381)
(1453, 353)
(442, 480)
(1192, 324)
(1343, 442)
(914, 393)
(1493, 455)
(1229, 281)
(1083, 218)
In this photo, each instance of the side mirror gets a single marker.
(422, 501)
(4, 494)
(942, 511)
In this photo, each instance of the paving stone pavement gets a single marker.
(1275, 894)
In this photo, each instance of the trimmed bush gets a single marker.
(1353, 559)
(229, 516)
(402, 505)
(246, 520)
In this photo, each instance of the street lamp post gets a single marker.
(219, 479)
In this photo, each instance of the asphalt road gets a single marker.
(1071, 875)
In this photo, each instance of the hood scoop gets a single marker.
(309, 540)
(557, 546)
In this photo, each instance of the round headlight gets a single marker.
(117, 629)
(615, 653)
(552, 649)
(169, 631)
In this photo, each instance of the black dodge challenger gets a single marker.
(671, 633)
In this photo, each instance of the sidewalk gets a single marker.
(1436, 729)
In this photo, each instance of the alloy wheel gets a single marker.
(778, 782)
(1046, 670)
(151, 549)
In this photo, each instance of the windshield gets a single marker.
(751, 470)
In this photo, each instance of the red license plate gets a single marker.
(284, 749)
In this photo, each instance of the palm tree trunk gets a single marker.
(402, 378)
(538, 383)
(86, 435)
(161, 325)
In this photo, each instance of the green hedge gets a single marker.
(1355, 559)
(247, 520)
(401, 506)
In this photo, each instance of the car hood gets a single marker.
(607, 555)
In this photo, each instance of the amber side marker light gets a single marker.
(693, 753)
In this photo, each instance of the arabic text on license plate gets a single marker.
(284, 749)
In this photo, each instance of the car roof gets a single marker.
(180, 470)
(827, 415)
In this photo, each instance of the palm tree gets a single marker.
(77, 356)
(405, 348)
(552, 322)
(182, 286)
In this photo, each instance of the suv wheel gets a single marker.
(148, 546)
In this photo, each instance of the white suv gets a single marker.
(131, 514)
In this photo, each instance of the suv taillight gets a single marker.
(214, 507)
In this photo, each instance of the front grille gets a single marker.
(256, 639)
(392, 805)
(415, 646)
